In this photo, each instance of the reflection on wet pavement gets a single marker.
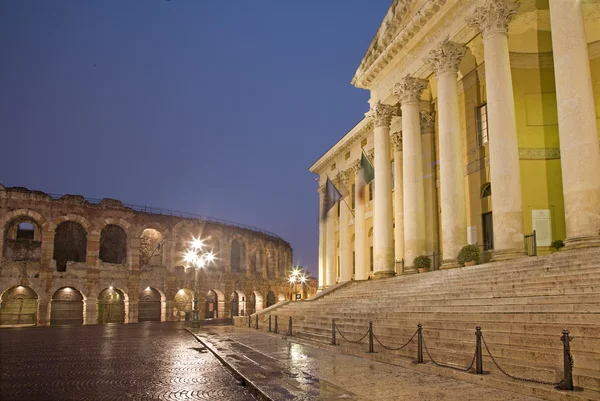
(285, 370)
(146, 361)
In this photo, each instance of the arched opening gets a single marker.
(254, 262)
(66, 307)
(212, 244)
(18, 306)
(271, 262)
(270, 298)
(486, 190)
(111, 306)
(235, 304)
(70, 244)
(238, 253)
(183, 302)
(113, 244)
(149, 306)
(150, 248)
(281, 263)
(281, 297)
(211, 305)
(23, 240)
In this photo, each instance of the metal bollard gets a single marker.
(269, 323)
(370, 336)
(420, 343)
(568, 376)
(290, 328)
(249, 321)
(257, 321)
(276, 330)
(332, 331)
(478, 354)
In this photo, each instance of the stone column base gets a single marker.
(582, 241)
(383, 274)
(449, 264)
(409, 270)
(507, 254)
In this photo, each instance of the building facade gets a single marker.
(70, 260)
(482, 127)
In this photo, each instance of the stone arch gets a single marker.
(67, 307)
(161, 228)
(238, 303)
(21, 239)
(19, 306)
(70, 243)
(114, 244)
(184, 298)
(238, 256)
(271, 299)
(35, 216)
(75, 218)
(112, 306)
(282, 266)
(218, 304)
(150, 305)
(256, 302)
(256, 258)
(271, 261)
(163, 298)
(182, 233)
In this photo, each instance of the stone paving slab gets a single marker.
(282, 369)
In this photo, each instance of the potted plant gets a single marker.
(422, 263)
(557, 244)
(469, 255)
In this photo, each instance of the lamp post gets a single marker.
(197, 258)
(297, 276)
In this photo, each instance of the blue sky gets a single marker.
(208, 107)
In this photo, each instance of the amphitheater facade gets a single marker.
(71, 260)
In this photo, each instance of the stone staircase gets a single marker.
(522, 307)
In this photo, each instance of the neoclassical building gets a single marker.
(71, 260)
(483, 127)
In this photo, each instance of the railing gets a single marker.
(530, 244)
(167, 212)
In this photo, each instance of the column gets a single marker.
(396, 139)
(345, 245)
(579, 149)
(409, 92)
(492, 20)
(330, 259)
(429, 184)
(47, 256)
(93, 249)
(444, 60)
(383, 247)
(360, 232)
(322, 239)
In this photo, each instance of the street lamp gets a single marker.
(297, 276)
(196, 257)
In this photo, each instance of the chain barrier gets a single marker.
(354, 342)
(399, 348)
(266, 320)
(441, 365)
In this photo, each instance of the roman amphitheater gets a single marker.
(70, 260)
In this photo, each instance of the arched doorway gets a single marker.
(18, 305)
(183, 302)
(271, 299)
(211, 310)
(66, 307)
(111, 306)
(235, 304)
(149, 306)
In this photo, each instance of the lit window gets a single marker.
(482, 126)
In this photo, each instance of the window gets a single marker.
(371, 190)
(353, 196)
(25, 230)
(371, 257)
(486, 190)
(482, 127)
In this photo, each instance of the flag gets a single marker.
(332, 196)
(366, 174)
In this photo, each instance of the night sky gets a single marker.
(209, 107)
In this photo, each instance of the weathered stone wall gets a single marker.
(153, 258)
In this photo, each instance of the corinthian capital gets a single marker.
(321, 191)
(409, 89)
(344, 178)
(427, 122)
(445, 57)
(355, 166)
(381, 114)
(493, 17)
(396, 139)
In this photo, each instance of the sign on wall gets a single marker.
(298, 296)
(541, 222)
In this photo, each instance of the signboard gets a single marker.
(541, 223)
(472, 235)
(298, 296)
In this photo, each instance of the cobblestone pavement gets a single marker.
(286, 370)
(146, 361)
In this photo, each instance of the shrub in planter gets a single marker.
(469, 253)
(422, 263)
(557, 244)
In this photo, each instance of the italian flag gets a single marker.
(366, 174)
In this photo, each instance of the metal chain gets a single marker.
(395, 349)
(450, 366)
(521, 378)
(344, 337)
(266, 320)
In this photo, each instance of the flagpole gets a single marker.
(348, 206)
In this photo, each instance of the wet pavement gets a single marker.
(286, 370)
(145, 361)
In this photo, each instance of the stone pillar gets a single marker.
(409, 92)
(93, 249)
(383, 246)
(330, 265)
(247, 255)
(444, 60)
(360, 231)
(48, 245)
(90, 313)
(134, 253)
(345, 245)
(429, 183)
(396, 139)
(43, 313)
(322, 239)
(578, 132)
(492, 20)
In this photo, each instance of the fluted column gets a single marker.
(383, 246)
(429, 188)
(492, 20)
(345, 245)
(409, 92)
(396, 139)
(322, 239)
(330, 260)
(444, 60)
(579, 149)
(360, 233)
